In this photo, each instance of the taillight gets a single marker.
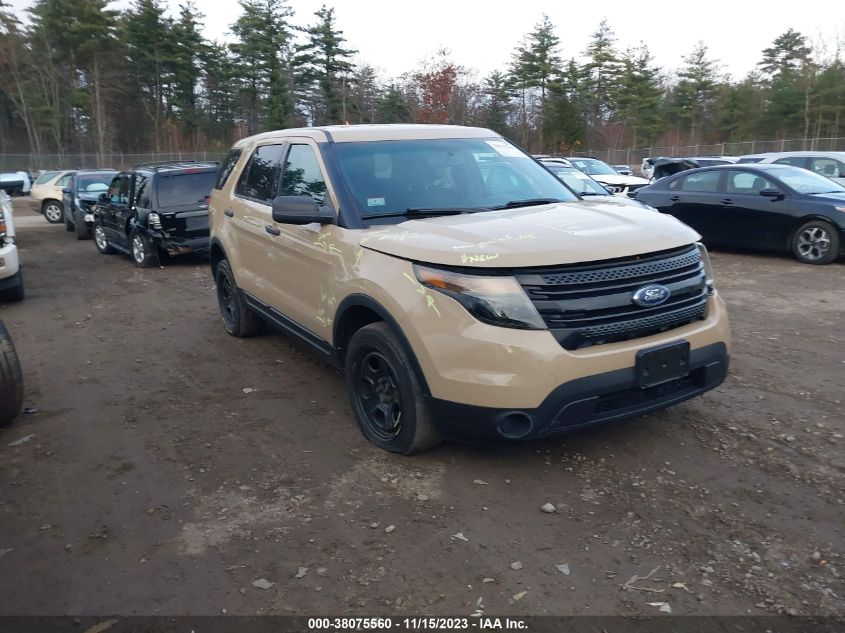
(2, 225)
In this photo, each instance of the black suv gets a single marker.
(156, 208)
(80, 196)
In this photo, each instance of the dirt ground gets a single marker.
(153, 483)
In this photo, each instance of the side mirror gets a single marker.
(103, 197)
(772, 193)
(300, 210)
(67, 190)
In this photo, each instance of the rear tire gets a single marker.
(144, 252)
(239, 319)
(53, 211)
(816, 242)
(386, 394)
(11, 379)
(101, 241)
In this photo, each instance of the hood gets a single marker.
(546, 235)
(619, 179)
(620, 200)
(837, 197)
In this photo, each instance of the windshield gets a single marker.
(808, 182)
(474, 174)
(578, 181)
(94, 183)
(46, 177)
(592, 166)
(185, 188)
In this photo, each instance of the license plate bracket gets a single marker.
(665, 363)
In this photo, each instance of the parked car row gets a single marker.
(619, 183)
(149, 211)
(771, 206)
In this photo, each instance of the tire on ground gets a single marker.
(240, 320)
(417, 432)
(833, 242)
(11, 379)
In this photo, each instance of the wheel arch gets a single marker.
(216, 255)
(810, 217)
(357, 311)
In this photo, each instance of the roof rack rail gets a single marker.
(175, 163)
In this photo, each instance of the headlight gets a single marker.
(494, 299)
(708, 268)
(154, 220)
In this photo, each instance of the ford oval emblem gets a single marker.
(651, 295)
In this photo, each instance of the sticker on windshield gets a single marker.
(375, 202)
(503, 148)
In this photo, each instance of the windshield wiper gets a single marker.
(422, 211)
(592, 193)
(531, 202)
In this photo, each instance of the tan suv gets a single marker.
(464, 289)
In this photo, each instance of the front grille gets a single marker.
(591, 304)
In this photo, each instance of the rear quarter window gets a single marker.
(226, 168)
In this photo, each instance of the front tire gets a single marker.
(816, 242)
(53, 211)
(239, 319)
(101, 241)
(81, 228)
(386, 394)
(144, 252)
(11, 379)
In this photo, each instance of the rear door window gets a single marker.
(829, 167)
(703, 182)
(64, 181)
(46, 177)
(740, 182)
(260, 177)
(184, 188)
(795, 161)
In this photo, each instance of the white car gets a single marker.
(11, 281)
(829, 164)
(590, 190)
(606, 175)
(15, 183)
(46, 195)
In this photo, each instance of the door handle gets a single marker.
(675, 198)
(229, 213)
(272, 230)
(727, 202)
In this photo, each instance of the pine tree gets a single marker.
(393, 106)
(189, 49)
(696, 90)
(637, 96)
(600, 73)
(324, 68)
(498, 108)
(262, 55)
(535, 63)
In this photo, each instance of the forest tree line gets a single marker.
(80, 77)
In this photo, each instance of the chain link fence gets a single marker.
(48, 162)
(634, 157)
(631, 157)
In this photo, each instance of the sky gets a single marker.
(395, 35)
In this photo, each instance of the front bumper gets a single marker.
(586, 401)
